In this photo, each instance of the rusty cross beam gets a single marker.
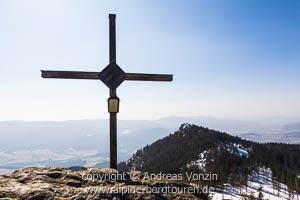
(112, 76)
(94, 76)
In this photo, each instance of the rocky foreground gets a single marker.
(58, 183)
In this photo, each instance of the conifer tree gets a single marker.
(260, 194)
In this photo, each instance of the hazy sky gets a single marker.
(230, 59)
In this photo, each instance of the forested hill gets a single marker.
(201, 149)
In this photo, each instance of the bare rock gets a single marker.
(36, 183)
(55, 174)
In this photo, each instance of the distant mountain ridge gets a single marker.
(86, 142)
(194, 148)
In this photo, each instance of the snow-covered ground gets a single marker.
(199, 163)
(261, 178)
(238, 149)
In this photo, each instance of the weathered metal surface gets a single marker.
(113, 140)
(95, 75)
(70, 74)
(112, 76)
(118, 76)
(148, 77)
(112, 38)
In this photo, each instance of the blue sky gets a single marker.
(230, 59)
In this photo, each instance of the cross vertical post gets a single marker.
(113, 93)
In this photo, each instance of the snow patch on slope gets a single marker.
(263, 177)
(199, 163)
(238, 149)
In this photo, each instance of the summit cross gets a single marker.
(112, 76)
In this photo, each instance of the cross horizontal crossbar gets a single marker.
(94, 75)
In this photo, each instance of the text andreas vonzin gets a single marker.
(190, 176)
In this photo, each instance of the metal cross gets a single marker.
(112, 76)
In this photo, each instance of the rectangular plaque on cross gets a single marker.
(112, 76)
